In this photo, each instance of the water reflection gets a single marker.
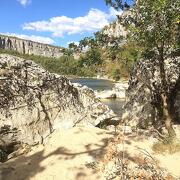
(114, 104)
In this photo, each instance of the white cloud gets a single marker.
(24, 2)
(63, 25)
(40, 39)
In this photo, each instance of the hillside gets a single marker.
(101, 57)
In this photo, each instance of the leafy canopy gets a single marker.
(153, 24)
(120, 4)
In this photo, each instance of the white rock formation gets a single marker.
(35, 102)
(29, 47)
(142, 105)
(115, 29)
(118, 91)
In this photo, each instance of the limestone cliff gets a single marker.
(115, 29)
(29, 47)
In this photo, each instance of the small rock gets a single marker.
(111, 128)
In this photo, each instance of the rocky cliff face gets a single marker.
(35, 102)
(29, 47)
(140, 108)
(115, 29)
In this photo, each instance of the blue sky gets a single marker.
(54, 21)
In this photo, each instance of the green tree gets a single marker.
(120, 4)
(87, 42)
(67, 51)
(116, 74)
(73, 47)
(153, 25)
(92, 57)
(83, 43)
(101, 38)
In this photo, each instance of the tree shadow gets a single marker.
(25, 167)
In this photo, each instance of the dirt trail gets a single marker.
(65, 155)
(62, 158)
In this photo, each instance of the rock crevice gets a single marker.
(36, 102)
(144, 89)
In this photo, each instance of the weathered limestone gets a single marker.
(118, 91)
(29, 47)
(115, 29)
(35, 102)
(140, 109)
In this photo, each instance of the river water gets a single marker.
(101, 84)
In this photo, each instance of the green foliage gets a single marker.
(65, 65)
(154, 25)
(120, 4)
(153, 29)
(101, 38)
(92, 57)
(67, 52)
(116, 74)
(87, 42)
(73, 47)
(129, 54)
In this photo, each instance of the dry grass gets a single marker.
(124, 166)
(167, 146)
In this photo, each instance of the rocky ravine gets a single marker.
(35, 102)
(29, 47)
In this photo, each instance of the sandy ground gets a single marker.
(67, 152)
(62, 158)
(137, 146)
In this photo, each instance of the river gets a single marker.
(101, 84)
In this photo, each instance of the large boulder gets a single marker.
(144, 86)
(35, 102)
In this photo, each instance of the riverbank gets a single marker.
(110, 93)
(97, 77)
(115, 89)
(118, 91)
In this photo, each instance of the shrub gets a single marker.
(116, 74)
(167, 146)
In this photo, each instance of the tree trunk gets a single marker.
(167, 116)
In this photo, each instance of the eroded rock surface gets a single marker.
(141, 102)
(29, 47)
(118, 91)
(35, 102)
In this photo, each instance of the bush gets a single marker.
(116, 74)
(3, 156)
(167, 146)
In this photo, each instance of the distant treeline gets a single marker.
(65, 65)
